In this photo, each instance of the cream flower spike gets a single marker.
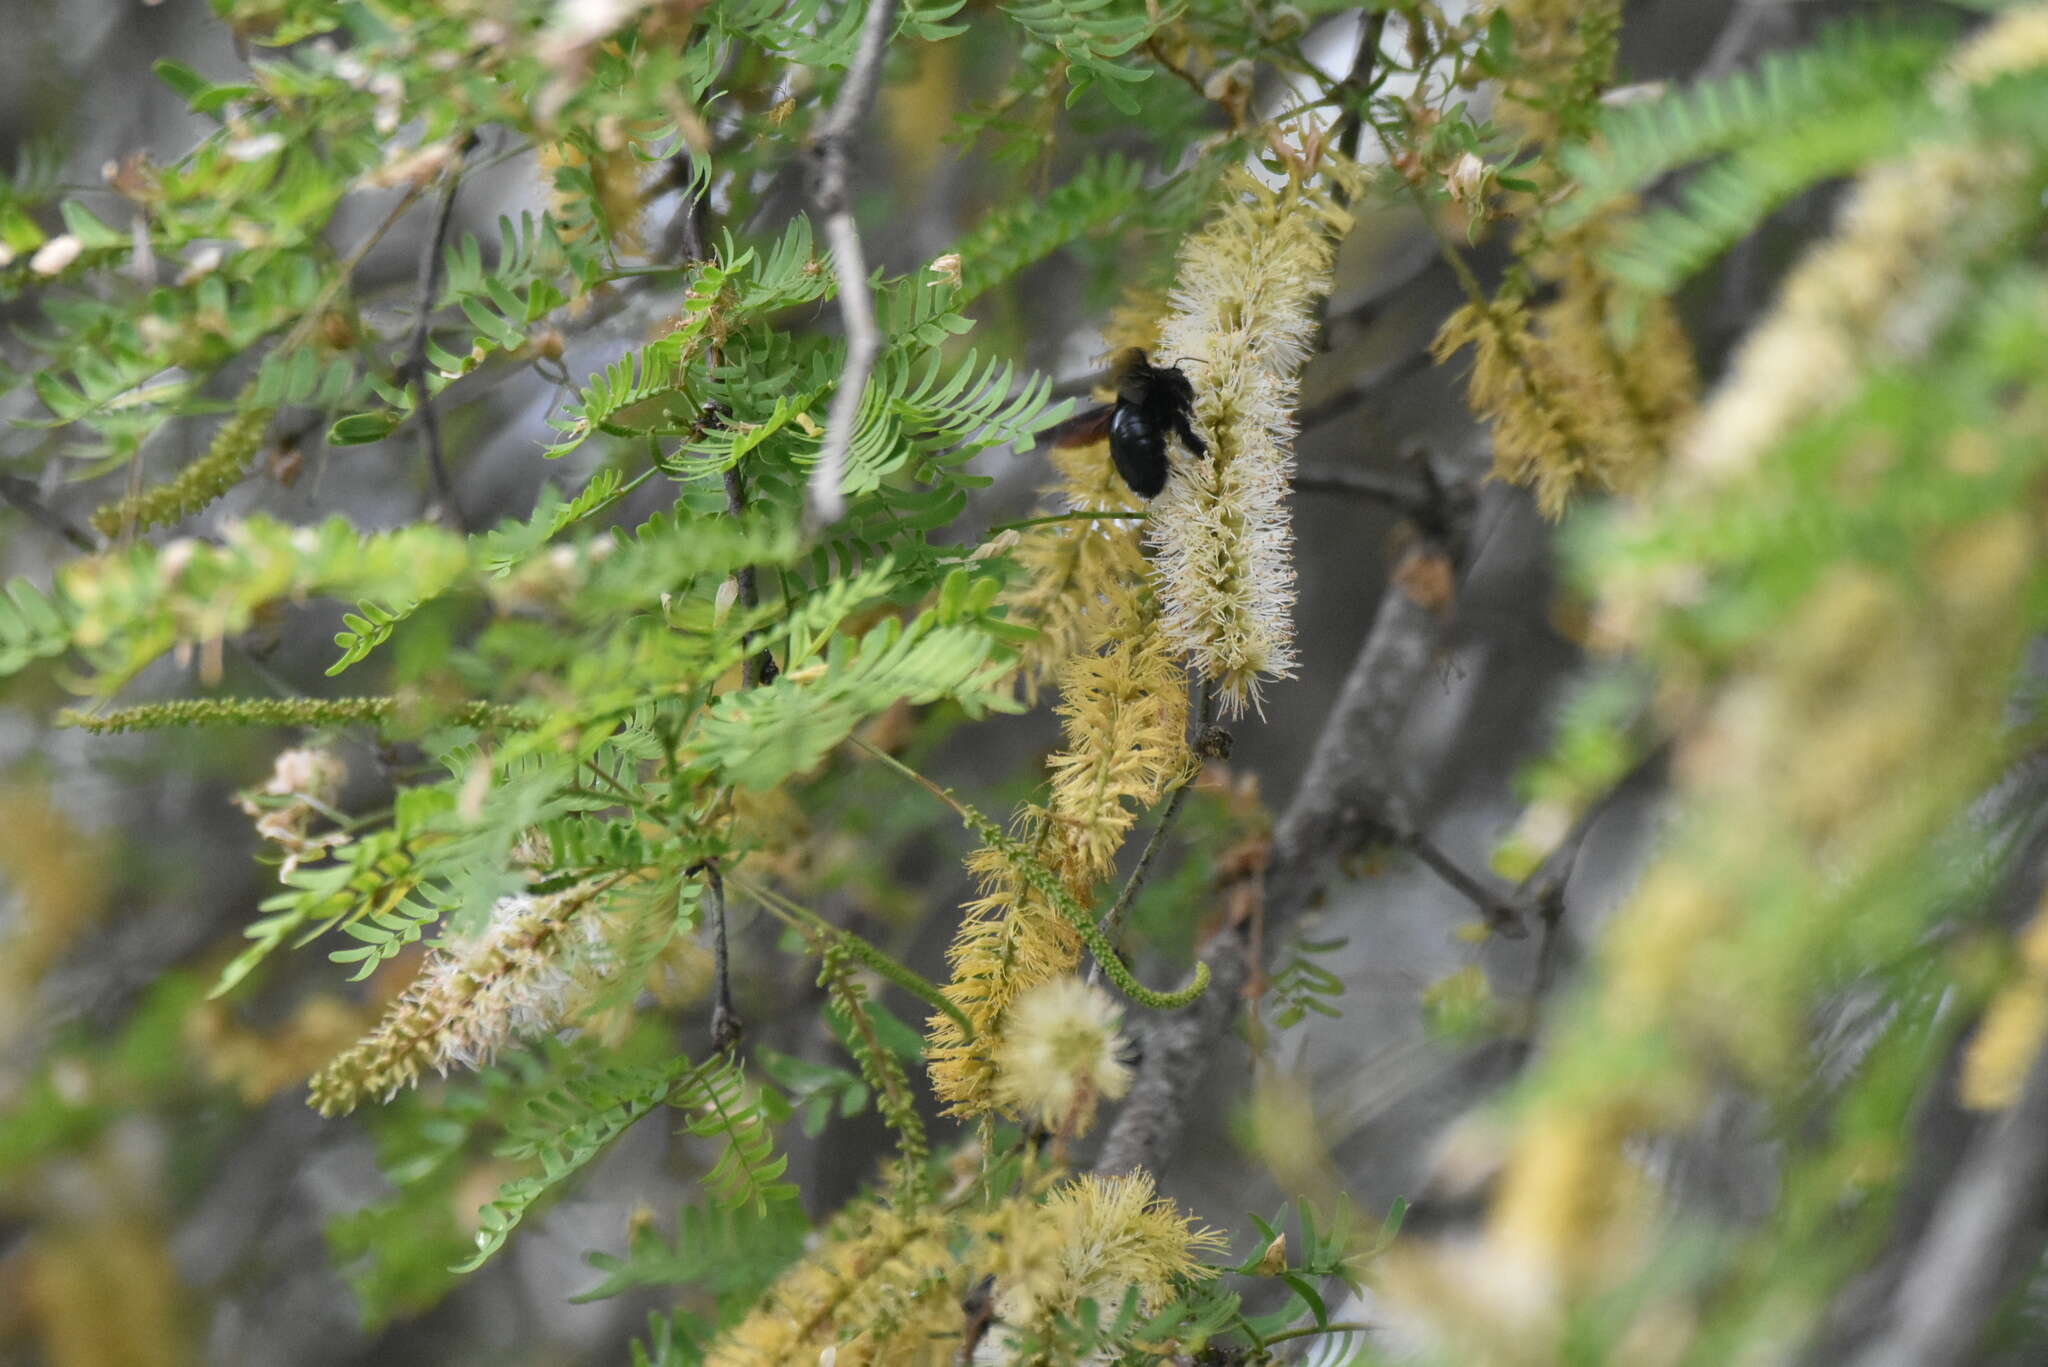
(1244, 323)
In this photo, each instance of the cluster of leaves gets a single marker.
(581, 691)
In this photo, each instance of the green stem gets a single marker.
(900, 974)
(1088, 515)
(1048, 885)
(189, 712)
(1310, 1330)
(1084, 923)
(960, 809)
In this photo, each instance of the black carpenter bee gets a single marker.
(1151, 401)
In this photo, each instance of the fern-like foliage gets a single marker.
(731, 1253)
(32, 627)
(1764, 136)
(762, 736)
(747, 1170)
(1852, 67)
(1092, 35)
(562, 1130)
(1101, 194)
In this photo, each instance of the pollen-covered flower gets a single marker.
(1244, 312)
(880, 1288)
(1123, 709)
(1010, 940)
(1059, 1054)
(1095, 1239)
(1073, 569)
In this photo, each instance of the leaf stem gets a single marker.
(795, 914)
(1310, 1330)
(1048, 885)
(1087, 515)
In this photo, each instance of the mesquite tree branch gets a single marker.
(1348, 798)
(27, 500)
(1990, 1216)
(726, 1026)
(827, 499)
(431, 257)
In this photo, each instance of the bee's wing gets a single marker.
(1083, 429)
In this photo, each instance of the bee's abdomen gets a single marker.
(1138, 446)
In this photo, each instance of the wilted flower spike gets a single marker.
(881, 1286)
(304, 782)
(1244, 322)
(1123, 709)
(523, 974)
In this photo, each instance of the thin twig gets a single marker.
(1310, 1330)
(1391, 490)
(1115, 919)
(431, 256)
(23, 496)
(795, 914)
(1358, 391)
(1089, 515)
(1188, 78)
(760, 666)
(942, 794)
(726, 1026)
(1501, 914)
(1542, 893)
(827, 500)
(689, 233)
(1359, 80)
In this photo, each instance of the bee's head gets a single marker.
(1128, 362)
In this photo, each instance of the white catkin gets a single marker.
(1243, 325)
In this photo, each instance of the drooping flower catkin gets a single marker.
(522, 974)
(1072, 569)
(1124, 708)
(1572, 408)
(883, 1288)
(193, 488)
(1244, 316)
(1584, 381)
(1096, 1239)
(1010, 939)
